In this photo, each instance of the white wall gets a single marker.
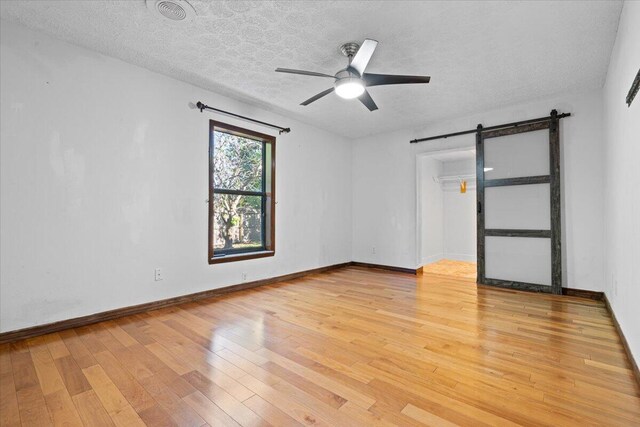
(459, 213)
(431, 221)
(622, 179)
(384, 185)
(104, 178)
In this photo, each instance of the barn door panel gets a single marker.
(518, 190)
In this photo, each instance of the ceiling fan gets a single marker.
(352, 82)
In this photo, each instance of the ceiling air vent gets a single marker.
(174, 10)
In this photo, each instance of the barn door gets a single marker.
(518, 219)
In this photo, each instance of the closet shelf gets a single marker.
(455, 178)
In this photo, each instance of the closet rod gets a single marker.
(202, 106)
(507, 125)
(456, 177)
(448, 178)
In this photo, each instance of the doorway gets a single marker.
(447, 213)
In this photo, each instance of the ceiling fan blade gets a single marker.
(363, 56)
(302, 72)
(318, 96)
(391, 79)
(366, 99)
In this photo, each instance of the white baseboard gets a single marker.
(461, 257)
(431, 259)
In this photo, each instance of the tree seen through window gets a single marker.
(241, 180)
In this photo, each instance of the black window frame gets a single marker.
(267, 196)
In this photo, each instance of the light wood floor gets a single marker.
(447, 267)
(352, 347)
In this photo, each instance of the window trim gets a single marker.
(270, 211)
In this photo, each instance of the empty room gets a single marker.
(331, 213)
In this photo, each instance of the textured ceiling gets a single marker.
(480, 55)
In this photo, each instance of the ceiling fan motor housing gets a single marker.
(347, 73)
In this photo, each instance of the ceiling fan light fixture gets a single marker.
(349, 88)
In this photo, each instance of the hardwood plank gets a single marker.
(425, 417)
(209, 410)
(77, 349)
(74, 379)
(9, 411)
(127, 416)
(24, 372)
(156, 416)
(280, 400)
(56, 346)
(33, 408)
(120, 334)
(111, 398)
(270, 413)
(168, 359)
(230, 405)
(126, 383)
(332, 399)
(48, 375)
(356, 397)
(177, 408)
(91, 410)
(221, 372)
(62, 410)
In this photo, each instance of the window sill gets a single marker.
(241, 257)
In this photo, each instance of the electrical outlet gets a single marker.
(158, 274)
(373, 250)
(244, 277)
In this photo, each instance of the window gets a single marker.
(241, 193)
